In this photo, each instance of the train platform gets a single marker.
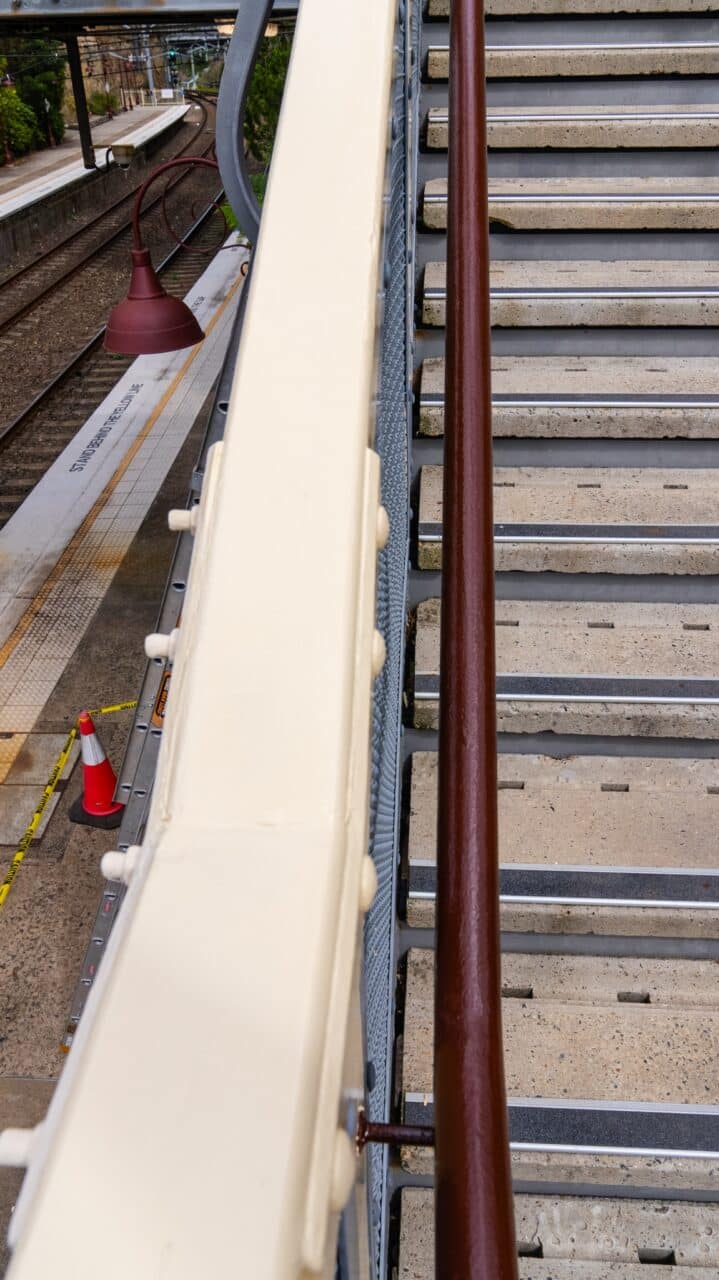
(85, 560)
(41, 174)
(63, 547)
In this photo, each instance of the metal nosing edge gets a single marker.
(652, 45)
(561, 885)
(614, 197)
(435, 400)
(589, 294)
(656, 1131)
(440, 116)
(405, 1178)
(572, 534)
(693, 691)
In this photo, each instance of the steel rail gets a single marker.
(27, 307)
(8, 281)
(475, 1235)
(12, 427)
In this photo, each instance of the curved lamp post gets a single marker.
(150, 321)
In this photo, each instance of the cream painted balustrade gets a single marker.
(202, 1125)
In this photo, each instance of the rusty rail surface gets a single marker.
(474, 1206)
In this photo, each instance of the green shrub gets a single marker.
(265, 97)
(99, 103)
(18, 127)
(37, 66)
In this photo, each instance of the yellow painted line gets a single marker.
(48, 791)
(34, 608)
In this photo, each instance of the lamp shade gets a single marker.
(149, 320)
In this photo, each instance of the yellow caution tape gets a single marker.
(118, 706)
(48, 791)
(34, 823)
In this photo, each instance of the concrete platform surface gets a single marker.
(42, 173)
(65, 542)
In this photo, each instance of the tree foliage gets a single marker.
(31, 103)
(18, 126)
(265, 97)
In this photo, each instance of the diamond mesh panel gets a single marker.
(392, 444)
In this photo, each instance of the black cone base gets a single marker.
(107, 821)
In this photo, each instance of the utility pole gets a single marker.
(78, 89)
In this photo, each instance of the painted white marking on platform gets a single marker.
(35, 538)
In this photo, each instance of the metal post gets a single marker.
(78, 89)
(148, 64)
(474, 1205)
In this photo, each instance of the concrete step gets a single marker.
(637, 293)
(581, 126)
(540, 60)
(640, 832)
(571, 667)
(589, 520)
(441, 9)
(578, 1239)
(580, 204)
(586, 1065)
(589, 396)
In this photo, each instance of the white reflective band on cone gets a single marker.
(92, 752)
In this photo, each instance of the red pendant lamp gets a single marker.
(149, 320)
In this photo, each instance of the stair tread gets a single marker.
(568, 274)
(561, 816)
(636, 292)
(588, 58)
(589, 395)
(575, 1233)
(639, 187)
(441, 9)
(559, 637)
(631, 503)
(574, 642)
(581, 125)
(597, 1049)
(645, 202)
(622, 496)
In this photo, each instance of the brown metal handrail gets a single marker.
(475, 1237)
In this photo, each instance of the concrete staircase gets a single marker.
(604, 201)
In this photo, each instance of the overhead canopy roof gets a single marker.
(18, 17)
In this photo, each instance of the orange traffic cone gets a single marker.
(95, 807)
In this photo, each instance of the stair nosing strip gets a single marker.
(694, 690)
(578, 534)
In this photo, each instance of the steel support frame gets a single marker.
(78, 89)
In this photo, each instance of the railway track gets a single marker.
(30, 442)
(603, 199)
(50, 309)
